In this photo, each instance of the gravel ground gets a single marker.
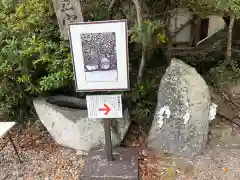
(217, 164)
(43, 159)
(42, 165)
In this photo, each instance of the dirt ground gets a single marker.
(43, 159)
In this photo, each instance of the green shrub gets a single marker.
(142, 101)
(220, 76)
(33, 59)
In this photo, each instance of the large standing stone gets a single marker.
(67, 11)
(71, 127)
(180, 124)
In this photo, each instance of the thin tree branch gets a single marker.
(229, 42)
(139, 13)
(110, 9)
(167, 18)
(139, 21)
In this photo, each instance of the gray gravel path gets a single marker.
(60, 163)
(216, 164)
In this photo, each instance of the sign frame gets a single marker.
(121, 41)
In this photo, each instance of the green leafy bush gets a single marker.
(221, 76)
(142, 101)
(151, 33)
(33, 59)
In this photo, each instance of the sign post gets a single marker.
(105, 107)
(108, 139)
(107, 129)
(100, 61)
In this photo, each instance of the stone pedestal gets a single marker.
(124, 166)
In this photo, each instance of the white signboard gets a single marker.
(100, 55)
(104, 106)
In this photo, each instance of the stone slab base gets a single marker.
(124, 166)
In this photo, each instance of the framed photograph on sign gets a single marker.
(100, 55)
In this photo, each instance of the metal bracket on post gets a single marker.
(108, 139)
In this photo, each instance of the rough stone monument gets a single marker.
(67, 11)
(181, 120)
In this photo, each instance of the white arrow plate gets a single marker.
(104, 106)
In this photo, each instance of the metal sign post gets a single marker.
(107, 129)
(106, 107)
(100, 63)
(111, 163)
(108, 139)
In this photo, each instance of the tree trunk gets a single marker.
(169, 35)
(197, 31)
(229, 43)
(142, 65)
(139, 21)
(110, 9)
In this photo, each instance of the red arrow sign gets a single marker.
(106, 109)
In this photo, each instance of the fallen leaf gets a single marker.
(225, 169)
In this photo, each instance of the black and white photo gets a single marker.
(100, 55)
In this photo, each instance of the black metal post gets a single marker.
(14, 147)
(4, 145)
(108, 139)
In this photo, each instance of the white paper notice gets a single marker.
(104, 106)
